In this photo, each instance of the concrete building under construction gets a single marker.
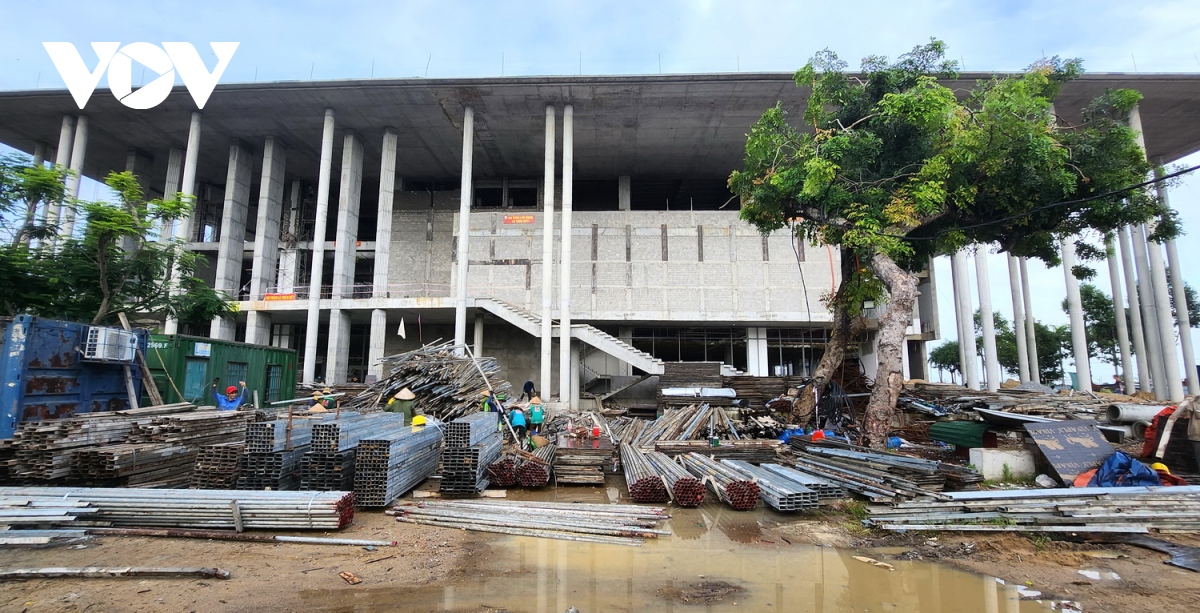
(356, 219)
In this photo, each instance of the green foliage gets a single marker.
(945, 357)
(24, 190)
(1053, 344)
(114, 265)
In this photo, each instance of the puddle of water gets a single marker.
(711, 544)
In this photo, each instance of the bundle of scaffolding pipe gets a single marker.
(503, 472)
(536, 471)
(592, 523)
(386, 467)
(344, 433)
(779, 492)
(729, 485)
(686, 490)
(168, 508)
(823, 487)
(643, 482)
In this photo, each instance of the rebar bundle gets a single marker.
(593, 523)
(686, 490)
(730, 486)
(536, 471)
(778, 492)
(199, 508)
(643, 482)
(216, 466)
(277, 470)
(447, 385)
(386, 467)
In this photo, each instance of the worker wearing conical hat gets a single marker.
(537, 414)
(402, 402)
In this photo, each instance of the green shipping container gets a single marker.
(185, 368)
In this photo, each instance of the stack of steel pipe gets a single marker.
(592, 523)
(686, 490)
(755, 451)
(729, 485)
(780, 493)
(44, 448)
(823, 487)
(323, 471)
(279, 434)
(386, 467)
(696, 422)
(643, 482)
(464, 469)
(194, 428)
(171, 508)
(277, 470)
(536, 471)
(216, 466)
(503, 473)
(471, 430)
(344, 433)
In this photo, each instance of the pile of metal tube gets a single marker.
(589, 523)
(388, 466)
(778, 490)
(644, 483)
(686, 490)
(733, 488)
(536, 471)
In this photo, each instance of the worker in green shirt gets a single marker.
(402, 403)
(537, 414)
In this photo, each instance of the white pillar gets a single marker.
(171, 189)
(477, 346)
(624, 193)
(956, 282)
(1182, 317)
(1035, 371)
(548, 254)
(991, 363)
(1014, 288)
(971, 366)
(757, 361)
(1149, 313)
(1083, 367)
(1166, 323)
(1114, 277)
(266, 238)
(464, 229)
(383, 223)
(564, 273)
(182, 228)
(377, 344)
(233, 237)
(574, 376)
(78, 153)
(313, 325)
(62, 159)
(1136, 332)
(288, 256)
(337, 359)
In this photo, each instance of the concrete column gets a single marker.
(78, 153)
(574, 377)
(1136, 332)
(1166, 323)
(39, 154)
(624, 193)
(337, 360)
(1145, 292)
(233, 236)
(477, 346)
(1182, 317)
(1083, 365)
(171, 189)
(1114, 278)
(62, 158)
(383, 225)
(376, 346)
(182, 228)
(464, 228)
(548, 254)
(1014, 288)
(564, 266)
(313, 325)
(1035, 371)
(625, 333)
(956, 283)
(991, 364)
(266, 238)
(905, 364)
(757, 362)
(288, 256)
(971, 366)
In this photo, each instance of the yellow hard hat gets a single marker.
(1160, 466)
(419, 420)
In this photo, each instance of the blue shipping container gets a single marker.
(45, 376)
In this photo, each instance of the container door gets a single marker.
(195, 380)
(274, 378)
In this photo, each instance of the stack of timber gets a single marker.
(690, 423)
(730, 486)
(1086, 509)
(930, 475)
(643, 482)
(387, 467)
(172, 508)
(757, 391)
(778, 491)
(447, 385)
(686, 490)
(536, 470)
(582, 460)
(216, 466)
(590, 523)
(751, 450)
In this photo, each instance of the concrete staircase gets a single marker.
(532, 324)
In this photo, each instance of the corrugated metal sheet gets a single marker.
(960, 433)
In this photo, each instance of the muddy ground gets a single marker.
(291, 577)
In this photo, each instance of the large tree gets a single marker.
(945, 357)
(116, 264)
(895, 167)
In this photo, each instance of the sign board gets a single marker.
(1071, 447)
(291, 296)
(202, 350)
(521, 219)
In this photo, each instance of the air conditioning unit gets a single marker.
(110, 345)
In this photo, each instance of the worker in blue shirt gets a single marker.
(232, 400)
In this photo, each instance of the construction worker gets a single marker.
(517, 418)
(322, 401)
(537, 414)
(232, 400)
(402, 402)
(527, 392)
(418, 421)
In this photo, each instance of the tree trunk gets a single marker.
(845, 328)
(889, 380)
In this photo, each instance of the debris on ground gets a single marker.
(700, 593)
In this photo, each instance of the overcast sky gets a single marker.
(331, 40)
